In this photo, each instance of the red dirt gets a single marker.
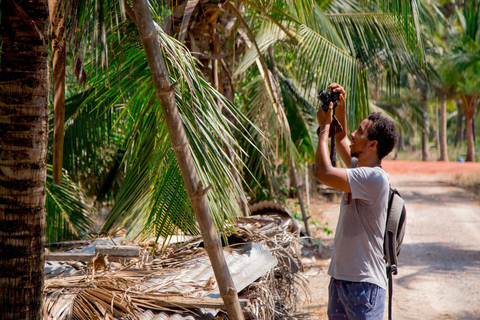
(429, 167)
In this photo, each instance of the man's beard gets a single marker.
(354, 154)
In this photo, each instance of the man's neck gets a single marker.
(369, 162)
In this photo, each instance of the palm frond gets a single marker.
(376, 40)
(407, 13)
(315, 18)
(301, 117)
(320, 63)
(67, 216)
(145, 196)
(91, 141)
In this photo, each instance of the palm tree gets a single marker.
(322, 58)
(23, 104)
(462, 65)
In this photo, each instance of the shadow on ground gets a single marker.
(439, 257)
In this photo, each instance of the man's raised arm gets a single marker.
(341, 138)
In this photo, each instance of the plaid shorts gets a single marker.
(355, 300)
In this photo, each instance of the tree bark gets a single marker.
(24, 88)
(57, 24)
(443, 128)
(180, 145)
(458, 135)
(469, 136)
(469, 108)
(425, 124)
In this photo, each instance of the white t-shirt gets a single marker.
(358, 244)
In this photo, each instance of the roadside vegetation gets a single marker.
(470, 182)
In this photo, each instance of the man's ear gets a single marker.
(373, 144)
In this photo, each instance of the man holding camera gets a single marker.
(358, 285)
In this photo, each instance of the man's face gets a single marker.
(359, 139)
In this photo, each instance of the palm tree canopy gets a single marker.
(116, 138)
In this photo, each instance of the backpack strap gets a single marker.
(390, 292)
(391, 256)
(391, 270)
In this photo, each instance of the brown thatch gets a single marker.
(108, 290)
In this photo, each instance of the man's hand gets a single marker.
(335, 87)
(323, 117)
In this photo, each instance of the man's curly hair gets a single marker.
(384, 132)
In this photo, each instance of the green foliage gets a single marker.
(323, 227)
(152, 199)
(117, 145)
(68, 217)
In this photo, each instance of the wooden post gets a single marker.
(180, 145)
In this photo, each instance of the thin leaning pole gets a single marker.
(180, 145)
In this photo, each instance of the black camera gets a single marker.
(326, 98)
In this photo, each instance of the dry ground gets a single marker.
(439, 267)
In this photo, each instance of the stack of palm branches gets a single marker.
(160, 283)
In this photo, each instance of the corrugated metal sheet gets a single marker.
(195, 278)
(149, 315)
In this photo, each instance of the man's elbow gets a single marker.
(320, 174)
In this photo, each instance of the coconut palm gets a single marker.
(462, 64)
(23, 104)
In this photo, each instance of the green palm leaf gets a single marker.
(150, 165)
(67, 217)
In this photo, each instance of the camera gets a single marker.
(326, 98)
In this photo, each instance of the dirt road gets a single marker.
(439, 266)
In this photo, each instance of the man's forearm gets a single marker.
(322, 159)
(341, 138)
(341, 116)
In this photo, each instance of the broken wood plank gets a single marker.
(114, 254)
(119, 251)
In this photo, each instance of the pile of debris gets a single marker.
(104, 280)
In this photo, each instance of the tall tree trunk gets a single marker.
(57, 23)
(443, 128)
(180, 145)
(459, 132)
(469, 108)
(401, 142)
(469, 137)
(23, 143)
(425, 125)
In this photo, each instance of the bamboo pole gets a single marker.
(180, 145)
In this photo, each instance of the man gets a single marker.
(358, 285)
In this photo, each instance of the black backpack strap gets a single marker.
(391, 270)
(390, 293)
